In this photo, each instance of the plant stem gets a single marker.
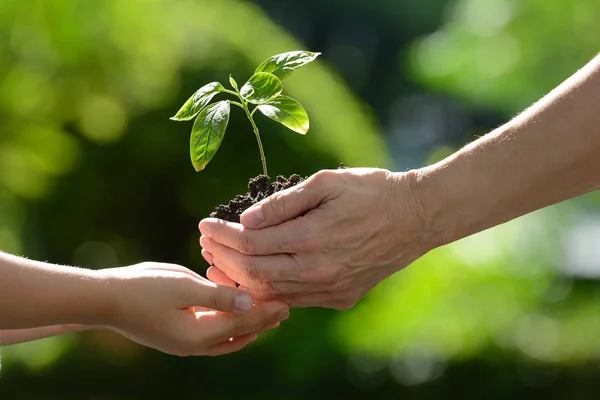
(231, 92)
(235, 103)
(244, 106)
(260, 146)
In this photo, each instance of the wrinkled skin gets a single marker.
(325, 242)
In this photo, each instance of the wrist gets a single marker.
(104, 296)
(412, 211)
(455, 197)
(428, 200)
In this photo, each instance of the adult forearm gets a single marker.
(549, 153)
(36, 294)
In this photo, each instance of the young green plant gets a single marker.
(262, 91)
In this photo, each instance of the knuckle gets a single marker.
(246, 245)
(275, 205)
(310, 239)
(323, 275)
(310, 226)
(312, 245)
(251, 268)
(322, 177)
(215, 298)
(269, 288)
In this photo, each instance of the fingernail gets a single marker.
(243, 302)
(253, 217)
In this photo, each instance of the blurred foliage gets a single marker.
(93, 173)
(507, 53)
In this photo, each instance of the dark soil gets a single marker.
(259, 188)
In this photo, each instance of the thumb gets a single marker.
(220, 297)
(285, 205)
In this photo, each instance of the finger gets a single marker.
(197, 309)
(218, 276)
(156, 266)
(279, 291)
(267, 290)
(226, 344)
(231, 345)
(299, 235)
(207, 256)
(319, 299)
(217, 297)
(323, 299)
(285, 205)
(268, 328)
(221, 326)
(253, 334)
(276, 267)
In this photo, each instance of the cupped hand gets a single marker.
(176, 311)
(325, 242)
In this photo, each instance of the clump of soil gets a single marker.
(259, 188)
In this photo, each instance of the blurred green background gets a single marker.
(92, 173)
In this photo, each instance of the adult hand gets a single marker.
(174, 310)
(325, 242)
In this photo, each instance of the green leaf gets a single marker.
(282, 65)
(288, 112)
(207, 133)
(233, 83)
(198, 101)
(261, 87)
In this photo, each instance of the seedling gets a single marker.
(263, 91)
